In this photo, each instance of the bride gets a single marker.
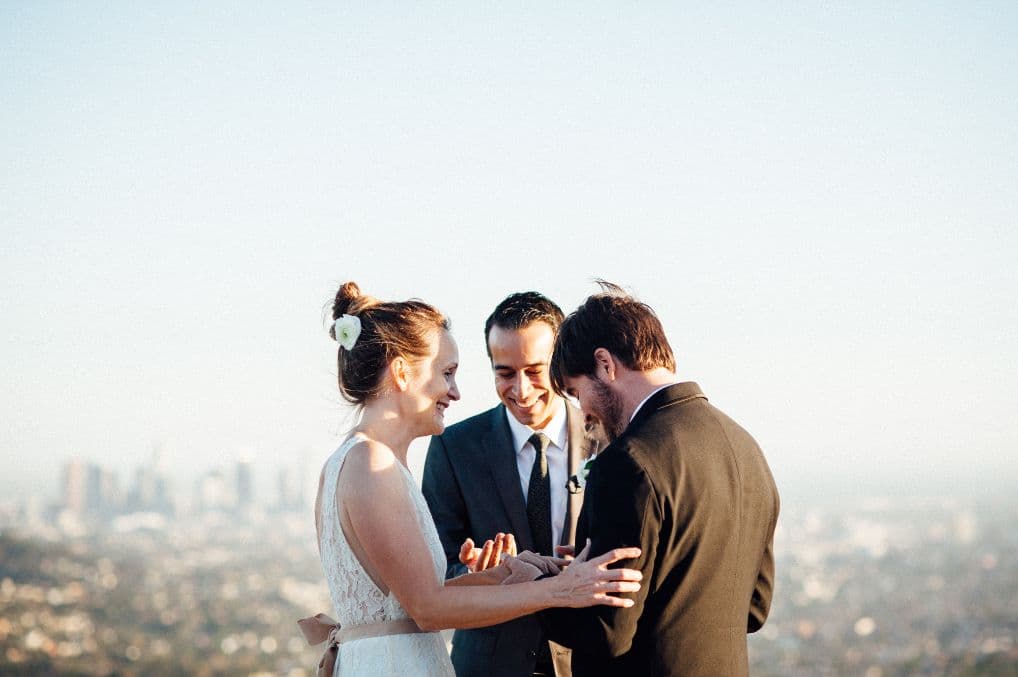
(380, 551)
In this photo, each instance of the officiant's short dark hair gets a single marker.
(520, 310)
(614, 320)
(389, 329)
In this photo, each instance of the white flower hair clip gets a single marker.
(347, 329)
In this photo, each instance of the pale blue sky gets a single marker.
(819, 201)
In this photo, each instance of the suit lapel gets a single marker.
(498, 444)
(580, 447)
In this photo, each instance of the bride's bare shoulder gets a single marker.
(369, 457)
(371, 476)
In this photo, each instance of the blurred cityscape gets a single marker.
(152, 580)
(893, 586)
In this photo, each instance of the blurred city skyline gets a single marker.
(818, 201)
(883, 587)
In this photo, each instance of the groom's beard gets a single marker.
(609, 410)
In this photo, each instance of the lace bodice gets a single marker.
(355, 597)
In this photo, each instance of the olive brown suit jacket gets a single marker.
(689, 486)
(472, 485)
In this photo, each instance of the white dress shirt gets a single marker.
(644, 400)
(558, 463)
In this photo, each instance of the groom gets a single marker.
(680, 480)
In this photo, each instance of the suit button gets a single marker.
(532, 653)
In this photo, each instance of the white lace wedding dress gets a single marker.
(358, 601)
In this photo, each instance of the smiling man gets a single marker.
(505, 471)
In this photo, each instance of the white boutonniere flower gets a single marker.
(347, 328)
(578, 481)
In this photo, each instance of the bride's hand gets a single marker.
(519, 570)
(547, 565)
(589, 582)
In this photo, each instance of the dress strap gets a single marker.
(320, 628)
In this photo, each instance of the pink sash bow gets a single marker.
(320, 628)
(317, 629)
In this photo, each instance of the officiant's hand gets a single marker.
(488, 556)
(587, 582)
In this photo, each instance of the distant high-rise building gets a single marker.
(75, 494)
(214, 492)
(93, 489)
(110, 498)
(151, 490)
(144, 492)
(89, 489)
(245, 484)
(289, 492)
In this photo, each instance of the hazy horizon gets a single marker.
(819, 202)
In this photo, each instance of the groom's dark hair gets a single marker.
(520, 310)
(617, 322)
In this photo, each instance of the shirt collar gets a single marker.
(644, 401)
(555, 430)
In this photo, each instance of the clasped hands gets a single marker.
(519, 568)
(501, 552)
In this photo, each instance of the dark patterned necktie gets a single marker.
(539, 496)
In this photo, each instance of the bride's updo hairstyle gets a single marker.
(387, 330)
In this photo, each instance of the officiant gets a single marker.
(506, 471)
